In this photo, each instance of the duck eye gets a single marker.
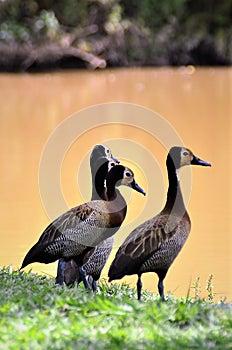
(185, 153)
(128, 174)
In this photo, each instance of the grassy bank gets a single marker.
(36, 314)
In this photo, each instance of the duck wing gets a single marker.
(70, 220)
(142, 242)
(71, 234)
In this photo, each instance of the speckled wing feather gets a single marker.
(140, 244)
(93, 262)
(69, 234)
(96, 259)
(73, 222)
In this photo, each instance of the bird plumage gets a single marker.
(154, 245)
(101, 161)
(80, 229)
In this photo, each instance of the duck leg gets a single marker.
(83, 275)
(139, 287)
(161, 275)
(93, 283)
(60, 272)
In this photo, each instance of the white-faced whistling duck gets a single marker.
(73, 234)
(154, 245)
(101, 161)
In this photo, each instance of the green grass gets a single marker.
(36, 314)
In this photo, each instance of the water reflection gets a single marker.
(197, 102)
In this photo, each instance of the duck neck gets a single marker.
(116, 202)
(110, 190)
(174, 203)
(97, 189)
(99, 173)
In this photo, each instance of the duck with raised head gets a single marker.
(73, 234)
(101, 161)
(154, 245)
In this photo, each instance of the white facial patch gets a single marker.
(185, 158)
(108, 153)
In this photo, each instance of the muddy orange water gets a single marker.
(45, 153)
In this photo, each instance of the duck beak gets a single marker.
(137, 188)
(198, 161)
(115, 160)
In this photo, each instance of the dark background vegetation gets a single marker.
(41, 34)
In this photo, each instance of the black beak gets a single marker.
(198, 161)
(137, 188)
(115, 160)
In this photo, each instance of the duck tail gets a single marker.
(37, 254)
(114, 274)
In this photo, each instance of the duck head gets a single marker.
(101, 151)
(122, 175)
(101, 161)
(181, 156)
